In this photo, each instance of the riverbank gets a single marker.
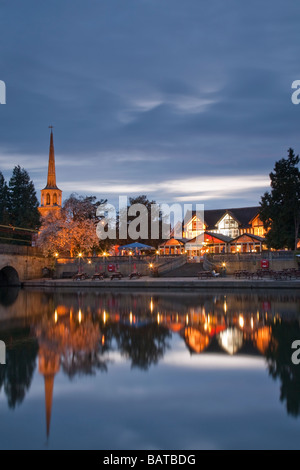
(227, 282)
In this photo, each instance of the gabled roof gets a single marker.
(250, 235)
(243, 215)
(219, 236)
(180, 241)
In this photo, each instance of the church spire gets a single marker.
(51, 196)
(51, 179)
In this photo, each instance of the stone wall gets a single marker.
(27, 267)
(252, 262)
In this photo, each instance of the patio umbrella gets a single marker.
(136, 246)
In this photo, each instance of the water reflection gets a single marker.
(76, 333)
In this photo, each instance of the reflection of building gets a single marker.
(67, 341)
(51, 196)
(48, 367)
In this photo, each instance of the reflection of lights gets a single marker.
(104, 317)
(103, 340)
(225, 306)
(79, 316)
(151, 305)
(130, 318)
(205, 326)
(55, 316)
(89, 261)
(252, 323)
(187, 319)
(231, 340)
(241, 321)
(158, 319)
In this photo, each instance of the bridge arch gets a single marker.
(9, 276)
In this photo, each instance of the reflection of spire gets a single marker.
(48, 367)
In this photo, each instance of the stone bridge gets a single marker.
(20, 263)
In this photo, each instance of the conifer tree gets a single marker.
(22, 202)
(3, 201)
(280, 208)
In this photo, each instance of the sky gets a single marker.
(184, 101)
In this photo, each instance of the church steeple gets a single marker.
(51, 196)
(51, 179)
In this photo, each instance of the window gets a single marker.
(54, 198)
(48, 199)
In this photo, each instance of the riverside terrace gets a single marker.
(286, 279)
(259, 270)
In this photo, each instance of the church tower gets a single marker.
(51, 196)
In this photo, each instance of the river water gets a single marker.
(87, 369)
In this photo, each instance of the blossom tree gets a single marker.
(71, 230)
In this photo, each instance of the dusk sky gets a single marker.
(184, 101)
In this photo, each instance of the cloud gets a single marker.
(153, 92)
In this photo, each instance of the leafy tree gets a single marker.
(134, 226)
(22, 201)
(280, 208)
(82, 207)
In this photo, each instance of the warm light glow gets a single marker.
(130, 253)
(187, 319)
(157, 252)
(224, 264)
(130, 318)
(225, 306)
(151, 305)
(104, 253)
(104, 317)
(158, 319)
(103, 340)
(80, 255)
(55, 316)
(241, 321)
(231, 340)
(252, 323)
(89, 261)
(56, 255)
(79, 316)
(150, 265)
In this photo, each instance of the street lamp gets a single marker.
(80, 256)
